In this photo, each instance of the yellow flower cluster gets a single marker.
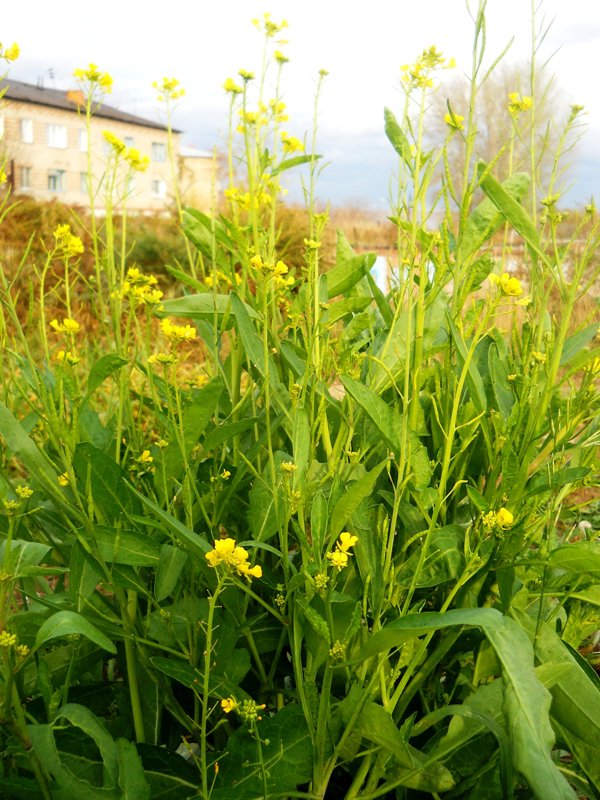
(277, 109)
(518, 103)
(247, 709)
(231, 87)
(225, 552)
(7, 639)
(177, 333)
(243, 199)
(24, 492)
(163, 359)
(339, 556)
(132, 155)
(10, 53)
(67, 325)
(141, 288)
(508, 284)
(94, 77)
(66, 242)
(220, 277)
(454, 121)
(169, 89)
(270, 27)
(418, 75)
(291, 144)
(67, 357)
(502, 519)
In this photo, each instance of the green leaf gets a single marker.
(342, 308)
(445, 559)
(526, 701)
(132, 780)
(126, 547)
(397, 138)
(23, 447)
(473, 377)
(301, 442)
(486, 218)
(190, 539)
(225, 433)
(575, 343)
(376, 725)
(204, 306)
(102, 369)
(170, 565)
(105, 479)
(578, 557)
(67, 623)
(22, 555)
(352, 498)
(297, 161)
(385, 418)
(503, 394)
(349, 268)
(170, 776)
(511, 209)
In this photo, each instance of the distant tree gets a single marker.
(504, 112)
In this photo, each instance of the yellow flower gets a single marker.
(136, 161)
(69, 244)
(346, 541)
(311, 244)
(24, 492)
(232, 87)
(228, 705)
(145, 458)
(67, 325)
(338, 558)
(288, 466)
(177, 333)
(454, 121)
(245, 75)
(118, 145)
(541, 358)
(257, 262)
(226, 552)
(67, 357)
(508, 285)
(11, 506)
(94, 77)
(11, 53)
(280, 57)
(22, 650)
(518, 103)
(168, 89)
(504, 519)
(7, 639)
(291, 144)
(63, 479)
(163, 359)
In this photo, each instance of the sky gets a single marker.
(361, 44)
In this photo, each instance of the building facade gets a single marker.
(44, 144)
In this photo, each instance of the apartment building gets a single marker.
(44, 141)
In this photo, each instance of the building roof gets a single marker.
(68, 101)
(186, 151)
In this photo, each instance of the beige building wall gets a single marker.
(198, 180)
(46, 152)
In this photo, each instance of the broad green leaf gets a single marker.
(102, 369)
(190, 539)
(225, 433)
(503, 394)
(126, 547)
(511, 209)
(473, 378)
(67, 623)
(575, 343)
(183, 672)
(132, 780)
(543, 482)
(296, 161)
(285, 746)
(478, 499)
(196, 416)
(170, 776)
(376, 725)
(351, 499)
(397, 138)
(349, 268)
(204, 306)
(170, 565)
(105, 479)
(526, 701)
(350, 305)
(385, 418)
(444, 562)
(21, 556)
(486, 218)
(300, 445)
(24, 448)
(578, 557)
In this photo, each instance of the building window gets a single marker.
(25, 177)
(128, 140)
(27, 131)
(83, 141)
(57, 180)
(159, 189)
(158, 151)
(57, 136)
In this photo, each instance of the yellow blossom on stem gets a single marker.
(7, 639)
(94, 77)
(346, 541)
(118, 145)
(63, 479)
(67, 325)
(69, 244)
(177, 333)
(136, 161)
(229, 704)
(169, 89)
(226, 552)
(145, 458)
(518, 103)
(291, 144)
(508, 284)
(231, 87)
(24, 492)
(67, 357)
(338, 558)
(504, 519)
(454, 121)
(10, 53)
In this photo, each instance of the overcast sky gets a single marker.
(361, 44)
